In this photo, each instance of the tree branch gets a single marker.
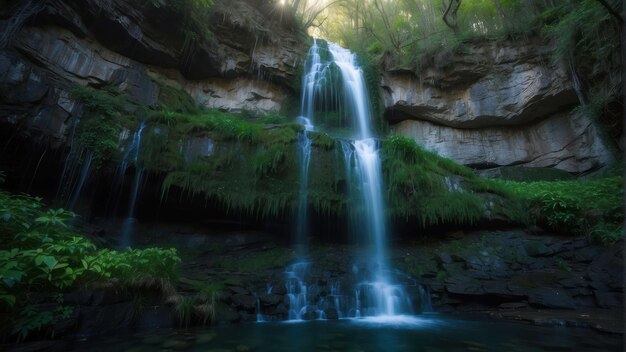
(608, 7)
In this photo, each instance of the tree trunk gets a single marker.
(449, 15)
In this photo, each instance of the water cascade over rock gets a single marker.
(132, 152)
(336, 81)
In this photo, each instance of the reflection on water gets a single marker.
(396, 333)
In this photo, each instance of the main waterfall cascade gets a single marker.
(375, 292)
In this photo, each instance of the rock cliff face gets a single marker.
(495, 104)
(250, 64)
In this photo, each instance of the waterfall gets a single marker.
(132, 151)
(304, 153)
(309, 87)
(297, 289)
(84, 175)
(377, 294)
(376, 291)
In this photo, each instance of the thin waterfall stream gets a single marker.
(132, 152)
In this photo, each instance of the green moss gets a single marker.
(175, 99)
(521, 173)
(416, 183)
(228, 177)
(101, 122)
(268, 160)
(158, 152)
(586, 206)
(283, 134)
(322, 140)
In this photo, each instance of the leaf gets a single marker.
(10, 299)
(50, 261)
(60, 266)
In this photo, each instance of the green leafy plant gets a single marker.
(44, 254)
(593, 207)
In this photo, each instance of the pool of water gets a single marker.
(408, 333)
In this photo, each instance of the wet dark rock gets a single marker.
(452, 268)
(280, 310)
(583, 255)
(551, 298)
(238, 290)
(436, 287)
(538, 249)
(580, 291)
(331, 314)
(99, 320)
(473, 307)
(474, 262)
(599, 280)
(225, 314)
(499, 288)
(279, 289)
(246, 302)
(477, 274)
(70, 324)
(444, 258)
(111, 294)
(513, 306)
(78, 298)
(270, 299)
(584, 301)
(609, 299)
(538, 265)
(429, 275)
(574, 281)
(457, 258)
(310, 314)
(156, 317)
(464, 286)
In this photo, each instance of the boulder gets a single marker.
(331, 314)
(550, 298)
(243, 301)
(464, 286)
(96, 320)
(537, 249)
(609, 299)
(270, 299)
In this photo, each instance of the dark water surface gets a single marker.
(423, 333)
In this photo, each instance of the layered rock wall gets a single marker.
(495, 104)
(249, 64)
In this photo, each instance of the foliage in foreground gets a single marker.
(41, 253)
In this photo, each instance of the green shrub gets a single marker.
(586, 206)
(44, 254)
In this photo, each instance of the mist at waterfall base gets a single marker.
(376, 294)
(435, 334)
